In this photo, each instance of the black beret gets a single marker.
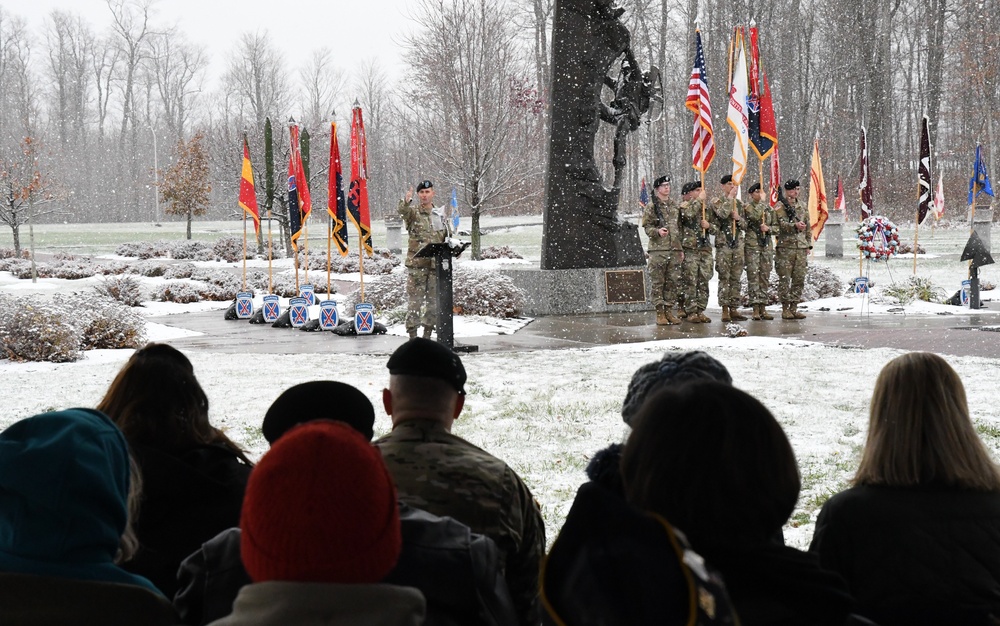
(728, 178)
(689, 187)
(423, 357)
(673, 369)
(319, 400)
(753, 188)
(661, 180)
(424, 184)
(790, 184)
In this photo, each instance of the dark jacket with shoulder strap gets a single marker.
(915, 556)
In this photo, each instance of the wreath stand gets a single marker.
(878, 240)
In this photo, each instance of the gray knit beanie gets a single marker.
(672, 369)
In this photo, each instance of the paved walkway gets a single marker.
(957, 334)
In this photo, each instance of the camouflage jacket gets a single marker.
(424, 225)
(758, 213)
(788, 236)
(691, 226)
(658, 215)
(721, 210)
(443, 474)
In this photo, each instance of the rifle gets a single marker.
(789, 210)
(763, 239)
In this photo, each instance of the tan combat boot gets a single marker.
(661, 316)
(725, 315)
(734, 313)
(681, 313)
(756, 313)
(796, 313)
(671, 318)
(704, 318)
(786, 311)
(764, 315)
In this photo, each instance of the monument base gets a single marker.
(585, 290)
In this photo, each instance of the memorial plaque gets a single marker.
(625, 286)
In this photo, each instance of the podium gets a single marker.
(443, 254)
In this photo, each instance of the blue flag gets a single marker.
(454, 210)
(643, 193)
(980, 181)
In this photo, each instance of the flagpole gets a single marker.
(305, 233)
(361, 266)
(270, 255)
(916, 231)
(244, 251)
(329, 240)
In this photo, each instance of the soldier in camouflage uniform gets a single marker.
(794, 240)
(758, 251)
(445, 475)
(727, 216)
(695, 230)
(425, 225)
(661, 220)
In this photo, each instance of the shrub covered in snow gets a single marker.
(179, 270)
(9, 253)
(381, 262)
(230, 249)
(72, 270)
(103, 323)
(177, 291)
(29, 331)
(123, 288)
(144, 249)
(821, 282)
(915, 288)
(194, 250)
(499, 252)
(385, 294)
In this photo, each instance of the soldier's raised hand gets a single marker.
(409, 195)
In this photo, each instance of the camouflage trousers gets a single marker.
(666, 276)
(729, 266)
(697, 272)
(790, 264)
(421, 297)
(759, 262)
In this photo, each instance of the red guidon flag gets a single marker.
(336, 203)
(248, 193)
(357, 197)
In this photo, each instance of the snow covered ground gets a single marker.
(547, 412)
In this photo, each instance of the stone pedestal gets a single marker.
(981, 224)
(583, 290)
(394, 236)
(834, 234)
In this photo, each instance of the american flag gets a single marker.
(703, 141)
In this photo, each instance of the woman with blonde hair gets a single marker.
(917, 536)
(193, 475)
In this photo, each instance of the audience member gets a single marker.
(715, 463)
(459, 572)
(66, 500)
(193, 475)
(442, 473)
(917, 536)
(673, 369)
(320, 531)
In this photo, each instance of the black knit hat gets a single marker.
(754, 188)
(728, 178)
(660, 181)
(673, 369)
(424, 184)
(423, 357)
(319, 400)
(791, 183)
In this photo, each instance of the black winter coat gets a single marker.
(915, 556)
(186, 500)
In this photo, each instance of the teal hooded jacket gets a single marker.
(64, 483)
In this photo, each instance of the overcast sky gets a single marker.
(354, 30)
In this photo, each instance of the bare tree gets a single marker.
(70, 43)
(324, 85)
(131, 28)
(23, 187)
(178, 68)
(257, 73)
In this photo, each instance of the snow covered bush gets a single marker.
(385, 294)
(230, 249)
(283, 285)
(9, 253)
(111, 268)
(820, 283)
(150, 268)
(915, 288)
(382, 262)
(20, 268)
(71, 270)
(499, 252)
(103, 323)
(179, 270)
(31, 332)
(144, 249)
(122, 288)
(177, 291)
(194, 250)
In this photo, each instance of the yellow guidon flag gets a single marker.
(248, 194)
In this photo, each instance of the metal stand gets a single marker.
(443, 253)
(976, 254)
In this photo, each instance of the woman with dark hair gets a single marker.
(917, 536)
(193, 475)
(714, 462)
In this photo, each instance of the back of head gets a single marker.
(319, 400)
(156, 400)
(920, 432)
(425, 378)
(713, 461)
(320, 507)
(64, 486)
(673, 369)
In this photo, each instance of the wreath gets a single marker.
(878, 238)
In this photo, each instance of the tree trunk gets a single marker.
(17, 239)
(189, 217)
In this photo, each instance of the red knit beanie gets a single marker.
(320, 507)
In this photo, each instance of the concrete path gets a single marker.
(958, 334)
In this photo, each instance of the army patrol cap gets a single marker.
(790, 184)
(423, 357)
(662, 180)
(424, 184)
(754, 188)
